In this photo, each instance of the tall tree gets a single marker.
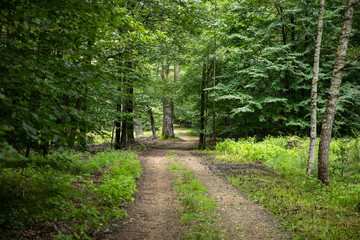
(202, 135)
(327, 124)
(314, 87)
(214, 84)
(168, 124)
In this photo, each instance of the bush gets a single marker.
(69, 188)
(309, 208)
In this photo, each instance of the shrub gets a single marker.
(67, 188)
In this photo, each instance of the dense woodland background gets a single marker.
(74, 69)
(70, 68)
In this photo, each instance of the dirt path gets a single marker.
(242, 218)
(153, 213)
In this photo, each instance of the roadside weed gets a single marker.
(71, 193)
(273, 174)
(197, 210)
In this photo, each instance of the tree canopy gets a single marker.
(71, 68)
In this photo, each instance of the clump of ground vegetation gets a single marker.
(197, 210)
(68, 195)
(272, 173)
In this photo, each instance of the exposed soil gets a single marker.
(153, 213)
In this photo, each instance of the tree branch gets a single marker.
(343, 68)
(309, 32)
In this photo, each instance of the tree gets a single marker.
(214, 84)
(168, 115)
(313, 121)
(327, 124)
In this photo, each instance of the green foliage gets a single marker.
(273, 152)
(306, 206)
(68, 190)
(264, 64)
(197, 209)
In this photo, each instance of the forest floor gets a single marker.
(153, 214)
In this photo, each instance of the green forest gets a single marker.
(270, 82)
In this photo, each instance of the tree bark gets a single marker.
(118, 121)
(202, 109)
(176, 72)
(214, 84)
(327, 124)
(176, 80)
(152, 122)
(130, 110)
(311, 160)
(123, 138)
(168, 123)
(138, 127)
(127, 131)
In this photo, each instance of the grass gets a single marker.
(66, 195)
(197, 211)
(189, 135)
(273, 174)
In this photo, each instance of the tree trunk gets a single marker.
(127, 131)
(123, 138)
(118, 123)
(138, 127)
(130, 110)
(214, 84)
(152, 122)
(315, 79)
(176, 80)
(327, 124)
(168, 123)
(202, 109)
(176, 72)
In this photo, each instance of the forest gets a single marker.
(270, 82)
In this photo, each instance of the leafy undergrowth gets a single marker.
(197, 210)
(67, 195)
(272, 173)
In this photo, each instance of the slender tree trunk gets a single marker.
(152, 122)
(123, 139)
(112, 137)
(327, 124)
(176, 80)
(310, 167)
(117, 134)
(214, 84)
(202, 109)
(207, 92)
(118, 123)
(138, 127)
(123, 133)
(130, 110)
(168, 124)
(127, 131)
(176, 72)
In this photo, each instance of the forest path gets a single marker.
(153, 214)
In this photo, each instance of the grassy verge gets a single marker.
(66, 195)
(273, 174)
(197, 210)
